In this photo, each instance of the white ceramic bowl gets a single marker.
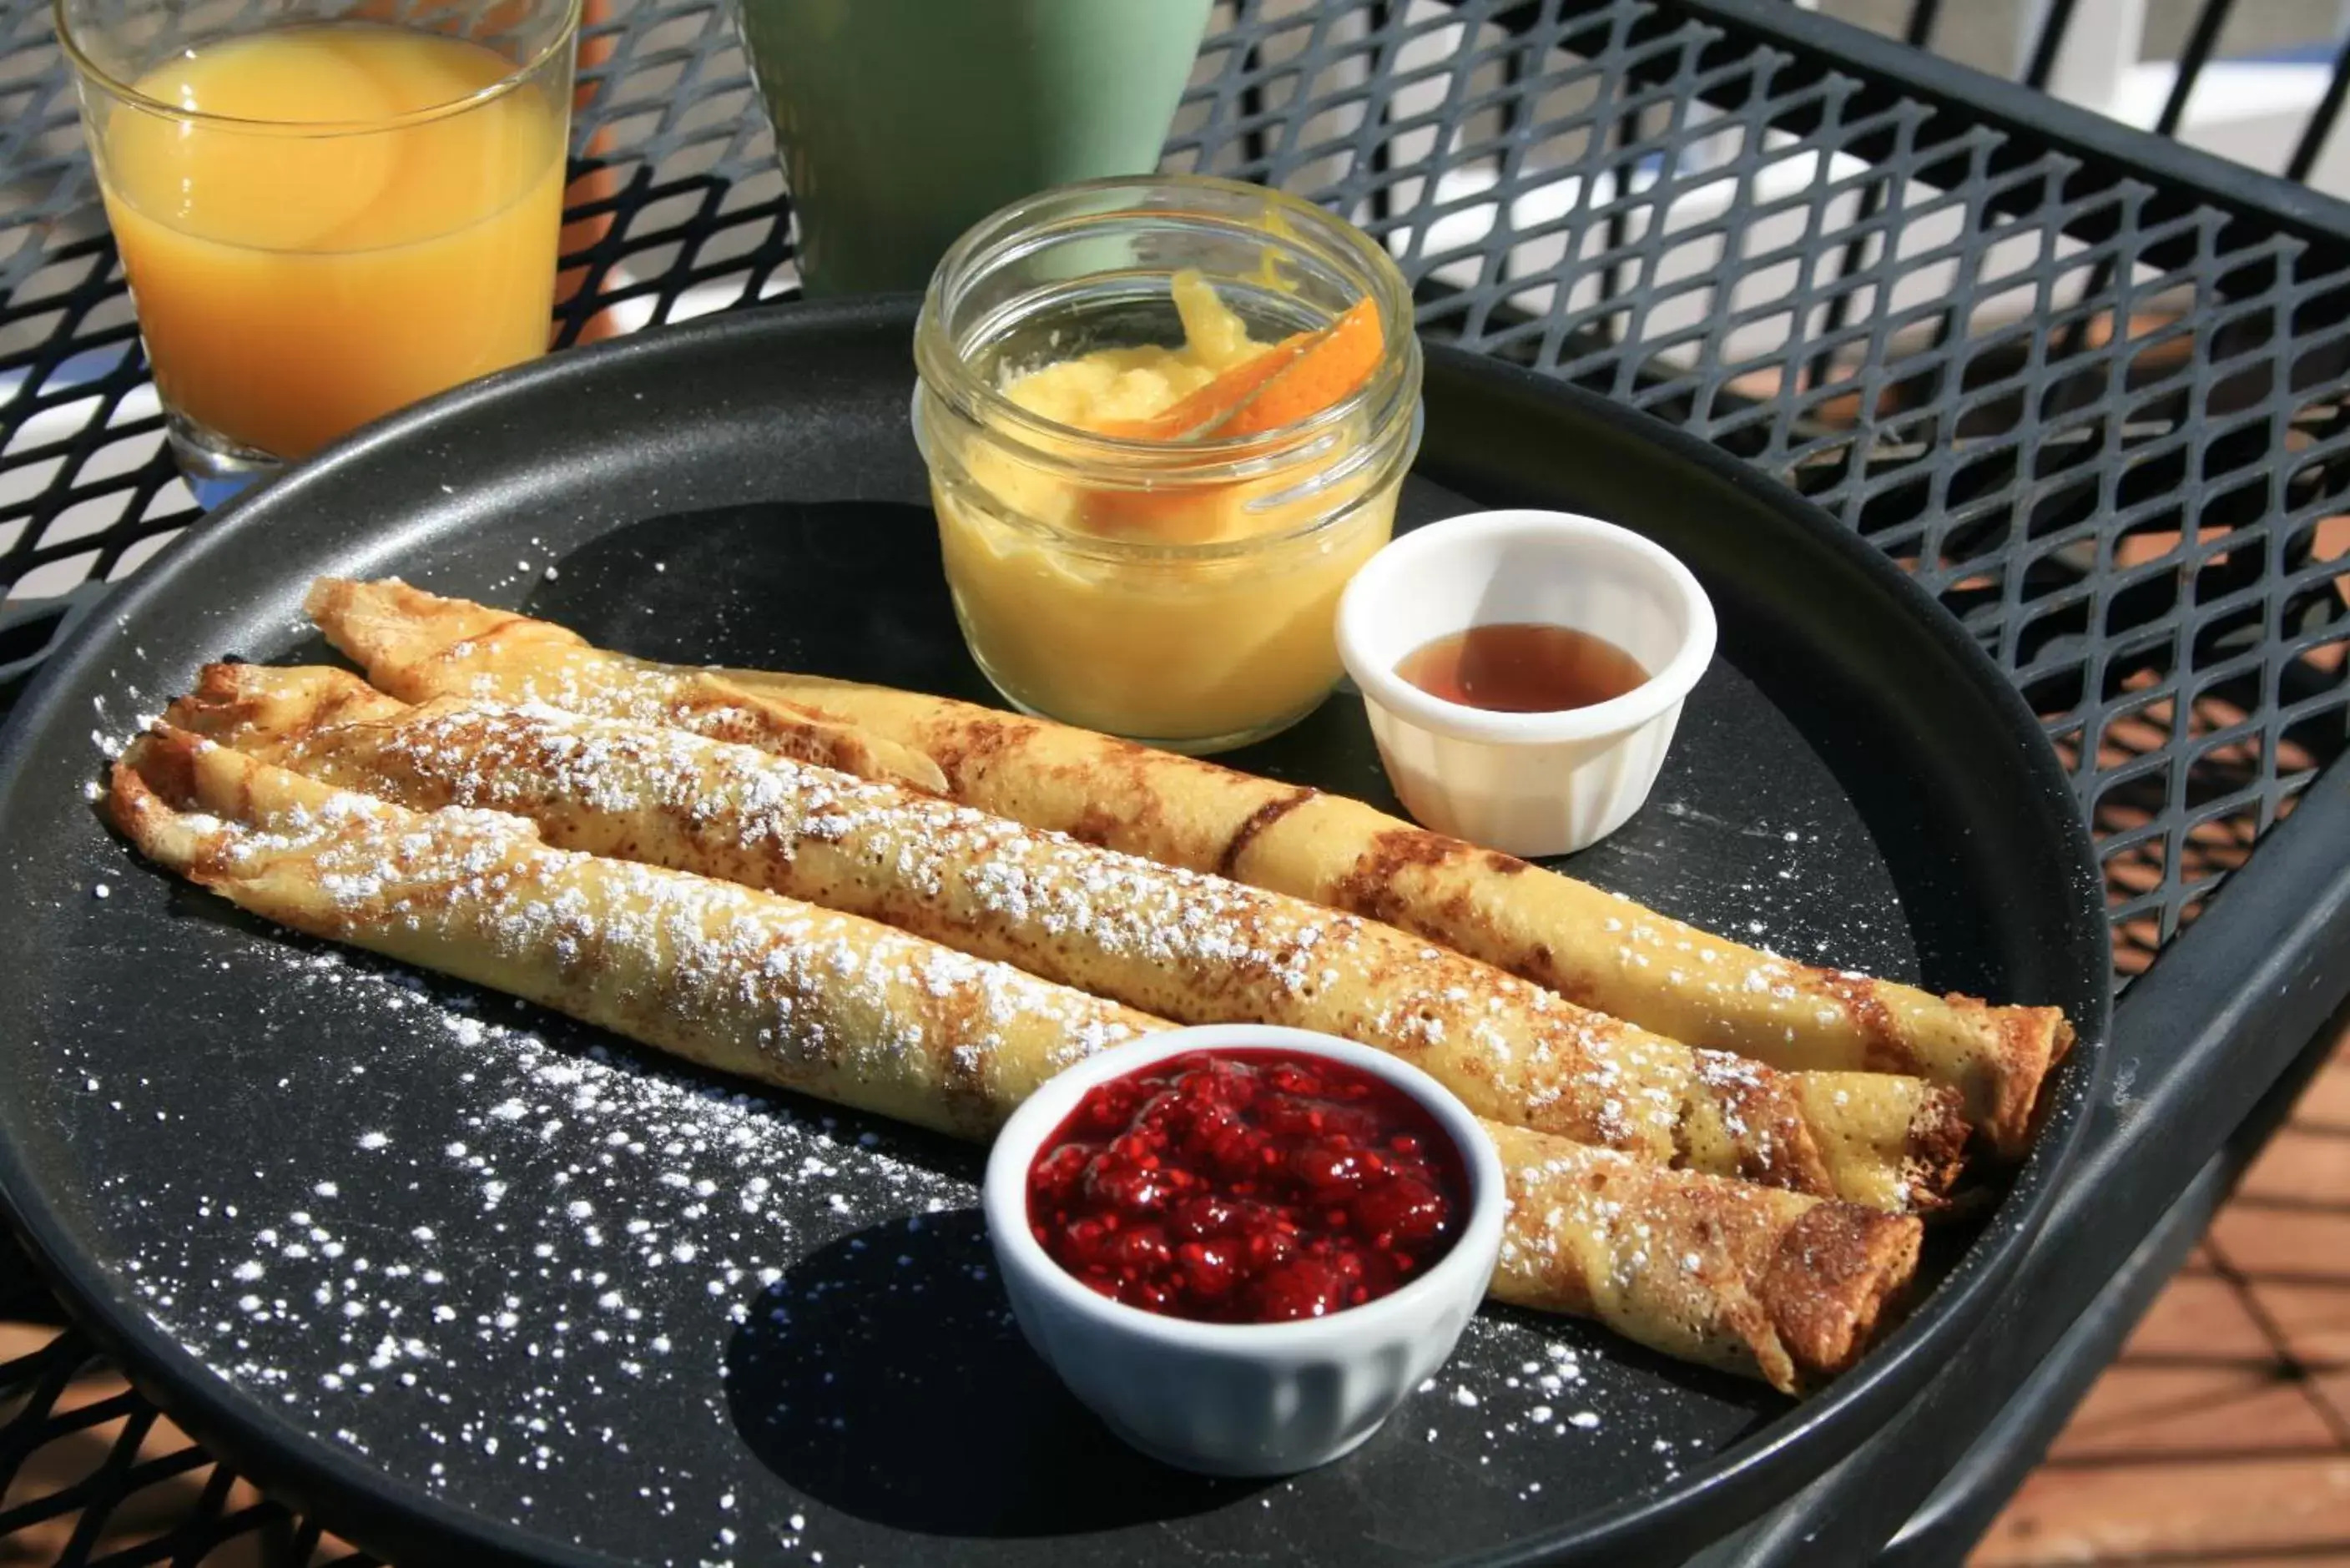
(1528, 783)
(1243, 1399)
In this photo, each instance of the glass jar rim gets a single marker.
(565, 36)
(1199, 461)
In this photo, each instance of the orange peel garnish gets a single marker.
(1295, 380)
(1213, 404)
(1330, 367)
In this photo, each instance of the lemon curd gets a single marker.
(1106, 578)
(1112, 385)
(1108, 388)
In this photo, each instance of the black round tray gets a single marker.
(472, 1281)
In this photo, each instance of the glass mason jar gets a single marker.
(1178, 592)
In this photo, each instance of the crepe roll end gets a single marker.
(1937, 1153)
(390, 630)
(1836, 1278)
(2023, 1046)
(234, 703)
(1768, 1284)
(188, 803)
(1893, 1143)
(145, 793)
(170, 770)
(1881, 1140)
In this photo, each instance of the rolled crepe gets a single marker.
(1771, 1284)
(555, 666)
(1193, 948)
(744, 981)
(1753, 1280)
(1594, 947)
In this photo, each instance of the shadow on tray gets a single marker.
(832, 587)
(884, 1376)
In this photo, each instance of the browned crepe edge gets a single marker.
(1940, 1137)
(1838, 1277)
(1808, 1296)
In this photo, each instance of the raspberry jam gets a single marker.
(1247, 1186)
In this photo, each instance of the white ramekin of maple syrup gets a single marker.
(1523, 673)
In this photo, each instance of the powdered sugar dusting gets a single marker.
(547, 1229)
(486, 1301)
(1163, 939)
(848, 1008)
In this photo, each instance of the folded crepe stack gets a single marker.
(1194, 948)
(877, 899)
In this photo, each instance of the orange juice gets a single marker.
(334, 231)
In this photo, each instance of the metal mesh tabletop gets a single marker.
(2088, 387)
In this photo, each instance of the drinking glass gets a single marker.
(903, 123)
(326, 210)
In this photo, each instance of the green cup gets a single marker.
(903, 123)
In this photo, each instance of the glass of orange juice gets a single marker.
(325, 211)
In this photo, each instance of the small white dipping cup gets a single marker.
(1526, 783)
(1240, 1398)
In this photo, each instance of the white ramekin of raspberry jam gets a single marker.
(1243, 1246)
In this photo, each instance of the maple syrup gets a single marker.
(1521, 666)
